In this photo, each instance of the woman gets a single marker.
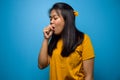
(68, 51)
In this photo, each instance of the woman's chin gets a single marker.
(56, 33)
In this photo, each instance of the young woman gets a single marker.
(68, 51)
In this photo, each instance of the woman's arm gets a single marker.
(88, 66)
(44, 58)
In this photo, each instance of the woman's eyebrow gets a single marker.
(52, 16)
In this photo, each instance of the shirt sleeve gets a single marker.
(88, 51)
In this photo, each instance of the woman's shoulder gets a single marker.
(86, 37)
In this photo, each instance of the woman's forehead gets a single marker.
(55, 13)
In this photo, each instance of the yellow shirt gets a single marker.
(71, 67)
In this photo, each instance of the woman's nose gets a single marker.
(52, 21)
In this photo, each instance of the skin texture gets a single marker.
(57, 22)
(88, 66)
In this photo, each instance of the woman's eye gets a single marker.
(55, 18)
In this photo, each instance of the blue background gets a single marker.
(21, 34)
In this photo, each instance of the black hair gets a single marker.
(70, 35)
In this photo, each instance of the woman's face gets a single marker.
(57, 22)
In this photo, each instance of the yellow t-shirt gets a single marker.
(71, 67)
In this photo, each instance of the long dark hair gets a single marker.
(70, 35)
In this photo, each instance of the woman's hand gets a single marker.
(48, 31)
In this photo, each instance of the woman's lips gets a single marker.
(53, 28)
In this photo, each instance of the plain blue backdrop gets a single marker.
(21, 34)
